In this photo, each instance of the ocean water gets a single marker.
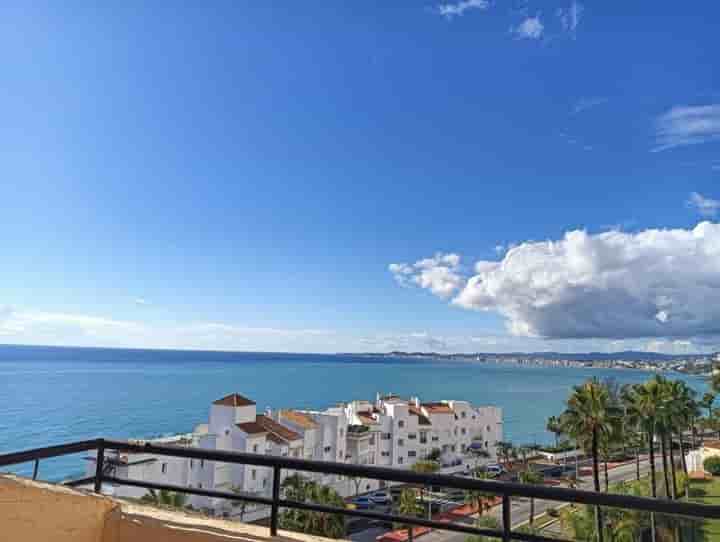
(56, 395)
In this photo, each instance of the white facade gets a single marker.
(389, 431)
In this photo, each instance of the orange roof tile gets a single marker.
(276, 429)
(422, 419)
(437, 408)
(252, 428)
(234, 400)
(299, 418)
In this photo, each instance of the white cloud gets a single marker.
(704, 206)
(583, 104)
(67, 329)
(611, 285)
(142, 302)
(531, 28)
(439, 274)
(570, 17)
(458, 9)
(687, 125)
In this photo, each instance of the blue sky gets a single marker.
(243, 176)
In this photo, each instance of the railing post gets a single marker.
(99, 464)
(275, 508)
(507, 527)
(36, 466)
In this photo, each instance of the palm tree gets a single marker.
(707, 401)
(590, 413)
(555, 427)
(299, 488)
(425, 467)
(476, 497)
(505, 449)
(486, 522)
(645, 403)
(408, 506)
(529, 476)
(165, 498)
(683, 409)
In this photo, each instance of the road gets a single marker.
(520, 511)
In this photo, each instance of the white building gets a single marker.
(390, 431)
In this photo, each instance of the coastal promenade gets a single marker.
(520, 507)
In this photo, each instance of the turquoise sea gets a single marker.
(55, 395)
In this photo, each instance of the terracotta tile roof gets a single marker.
(252, 428)
(366, 418)
(234, 400)
(276, 439)
(299, 418)
(437, 408)
(276, 429)
(422, 419)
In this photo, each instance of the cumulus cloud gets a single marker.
(439, 274)
(570, 17)
(530, 28)
(141, 301)
(704, 206)
(611, 285)
(687, 125)
(458, 9)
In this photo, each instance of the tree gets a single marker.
(707, 402)
(476, 497)
(554, 425)
(528, 476)
(165, 498)
(712, 465)
(408, 506)
(506, 450)
(485, 522)
(298, 488)
(425, 467)
(589, 414)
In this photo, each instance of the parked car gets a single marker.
(362, 502)
(381, 497)
(494, 470)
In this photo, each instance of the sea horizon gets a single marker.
(61, 394)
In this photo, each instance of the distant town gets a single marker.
(691, 364)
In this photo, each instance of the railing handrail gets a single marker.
(505, 489)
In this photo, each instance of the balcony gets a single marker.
(32, 511)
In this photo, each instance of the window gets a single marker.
(255, 448)
(253, 474)
(401, 442)
(163, 468)
(412, 436)
(264, 482)
(462, 447)
(340, 454)
(464, 414)
(455, 431)
(435, 439)
(372, 440)
(401, 423)
(342, 431)
(412, 453)
(400, 460)
(191, 463)
(385, 436)
(473, 416)
(200, 485)
(463, 430)
(385, 454)
(327, 449)
(202, 463)
(423, 438)
(452, 447)
(487, 428)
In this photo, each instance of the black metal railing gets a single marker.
(506, 490)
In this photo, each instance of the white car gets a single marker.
(381, 497)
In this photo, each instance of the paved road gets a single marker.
(521, 507)
(520, 511)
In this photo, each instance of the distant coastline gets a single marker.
(690, 364)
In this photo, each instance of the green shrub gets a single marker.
(712, 465)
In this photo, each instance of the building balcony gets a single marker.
(31, 511)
